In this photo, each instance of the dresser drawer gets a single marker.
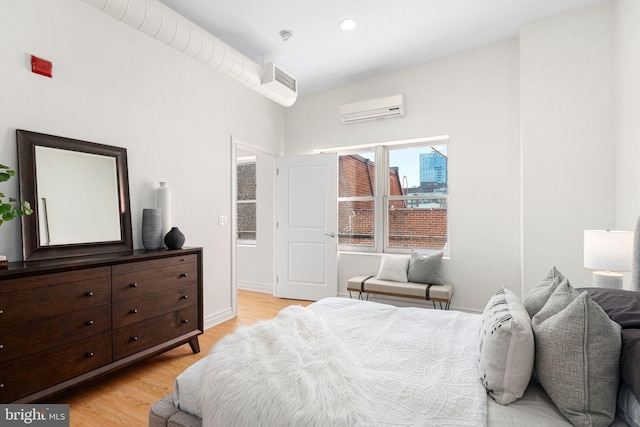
(141, 336)
(141, 308)
(153, 264)
(155, 276)
(24, 376)
(33, 304)
(52, 332)
(50, 279)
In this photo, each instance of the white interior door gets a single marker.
(307, 266)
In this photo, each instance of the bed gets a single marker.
(344, 362)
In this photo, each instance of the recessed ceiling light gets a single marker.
(348, 24)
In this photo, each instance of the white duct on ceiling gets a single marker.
(165, 25)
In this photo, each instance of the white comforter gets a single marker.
(344, 362)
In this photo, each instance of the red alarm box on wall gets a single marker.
(41, 66)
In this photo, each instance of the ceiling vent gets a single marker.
(276, 81)
(373, 109)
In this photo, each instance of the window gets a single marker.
(246, 200)
(356, 198)
(416, 208)
(399, 205)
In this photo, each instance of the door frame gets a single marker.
(236, 143)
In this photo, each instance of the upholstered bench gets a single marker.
(370, 285)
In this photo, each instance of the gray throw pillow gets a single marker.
(538, 296)
(562, 296)
(577, 360)
(425, 268)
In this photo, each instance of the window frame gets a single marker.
(381, 195)
(373, 199)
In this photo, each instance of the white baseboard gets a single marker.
(256, 287)
(218, 318)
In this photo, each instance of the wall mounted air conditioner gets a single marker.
(373, 109)
(277, 82)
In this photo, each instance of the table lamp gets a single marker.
(610, 252)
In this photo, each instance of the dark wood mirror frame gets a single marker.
(32, 250)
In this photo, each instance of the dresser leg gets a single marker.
(194, 344)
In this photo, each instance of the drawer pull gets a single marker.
(89, 322)
(88, 294)
(1, 311)
(134, 339)
(184, 297)
(185, 321)
(89, 355)
(184, 275)
(133, 285)
(1, 346)
(134, 311)
(1, 386)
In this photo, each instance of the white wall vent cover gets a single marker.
(373, 109)
(278, 82)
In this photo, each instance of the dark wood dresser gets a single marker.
(65, 322)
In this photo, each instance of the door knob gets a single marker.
(330, 235)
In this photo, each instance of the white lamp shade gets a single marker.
(608, 250)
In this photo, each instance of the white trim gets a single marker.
(233, 226)
(218, 318)
(264, 288)
(407, 142)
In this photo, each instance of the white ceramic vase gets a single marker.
(163, 202)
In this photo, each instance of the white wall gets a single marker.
(568, 154)
(473, 97)
(555, 109)
(627, 107)
(114, 85)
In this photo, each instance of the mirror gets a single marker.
(79, 192)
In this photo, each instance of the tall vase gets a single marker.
(152, 228)
(163, 201)
(635, 269)
(174, 239)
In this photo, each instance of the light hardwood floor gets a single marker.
(123, 398)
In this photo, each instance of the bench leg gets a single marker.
(445, 307)
(361, 296)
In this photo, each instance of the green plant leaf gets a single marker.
(3, 166)
(4, 176)
(12, 199)
(27, 208)
(11, 172)
(7, 216)
(4, 208)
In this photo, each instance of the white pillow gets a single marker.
(507, 349)
(393, 267)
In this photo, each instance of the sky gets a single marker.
(408, 161)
